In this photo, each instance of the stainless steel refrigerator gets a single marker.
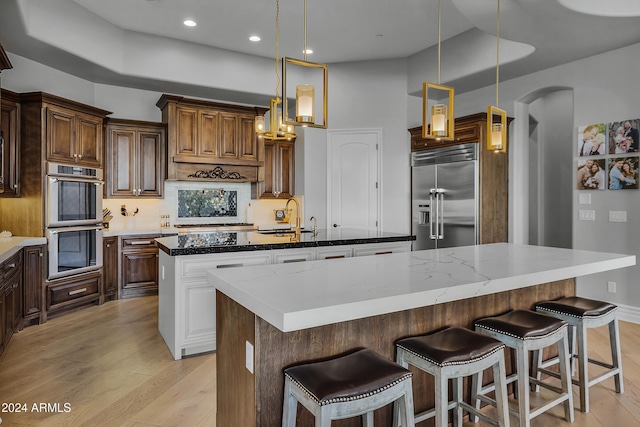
(444, 197)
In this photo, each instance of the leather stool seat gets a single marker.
(347, 386)
(350, 377)
(582, 314)
(577, 307)
(455, 353)
(526, 331)
(451, 346)
(523, 324)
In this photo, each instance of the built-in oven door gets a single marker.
(73, 201)
(74, 250)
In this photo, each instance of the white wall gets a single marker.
(603, 91)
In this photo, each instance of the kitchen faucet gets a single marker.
(298, 218)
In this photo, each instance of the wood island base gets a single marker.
(255, 399)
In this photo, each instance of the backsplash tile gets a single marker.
(213, 203)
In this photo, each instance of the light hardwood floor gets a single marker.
(110, 364)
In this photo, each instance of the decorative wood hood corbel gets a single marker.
(210, 141)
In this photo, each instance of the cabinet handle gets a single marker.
(286, 261)
(12, 265)
(80, 156)
(15, 285)
(383, 253)
(78, 291)
(141, 242)
(108, 246)
(334, 257)
(230, 265)
(40, 254)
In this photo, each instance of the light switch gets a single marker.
(584, 198)
(617, 216)
(585, 215)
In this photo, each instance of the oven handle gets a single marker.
(79, 228)
(54, 179)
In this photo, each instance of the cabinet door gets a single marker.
(33, 276)
(286, 169)
(10, 150)
(208, 134)
(187, 131)
(3, 316)
(60, 135)
(89, 146)
(110, 266)
(122, 156)
(247, 141)
(150, 165)
(228, 135)
(15, 315)
(139, 273)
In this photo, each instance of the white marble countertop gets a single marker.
(309, 294)
(10, 245)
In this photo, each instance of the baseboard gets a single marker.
(628, 313)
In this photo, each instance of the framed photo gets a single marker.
(591, 174)
(623, 173)
(591, 140)
(624, 136)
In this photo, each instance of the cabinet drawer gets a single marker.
(467, 133)
(67, 292)
(139, 242)
(11, 265)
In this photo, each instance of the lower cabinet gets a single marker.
(110, 267)
(72, 292)
(33, 278)
(10, 298)
(187, 304)
(139, 264)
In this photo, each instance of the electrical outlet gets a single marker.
(249, 357)
(611, 287)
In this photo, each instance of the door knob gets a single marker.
(336, 225)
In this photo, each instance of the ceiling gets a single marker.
(550, 32)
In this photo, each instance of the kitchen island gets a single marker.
(186, 301)
(280, 315)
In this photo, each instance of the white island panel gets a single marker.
(304, 295)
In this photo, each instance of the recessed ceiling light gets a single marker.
(254, 38)
(308, 52)
(190, 23)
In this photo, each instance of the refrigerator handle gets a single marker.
(440, 193)
(434, 209)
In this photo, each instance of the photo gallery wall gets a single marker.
(608, 156)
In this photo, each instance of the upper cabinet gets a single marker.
(73, 132)
(211, 141)
(10, 145)
(493, 170)
(279, 170)
(135, 159)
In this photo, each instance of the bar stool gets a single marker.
(582, 314)
(345, 387)
(455, 353)
(525, 331)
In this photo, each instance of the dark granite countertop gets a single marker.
(220, 242)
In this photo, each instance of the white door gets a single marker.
(353, 173)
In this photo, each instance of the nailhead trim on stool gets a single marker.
(582, 314)
(525, 331)
(348, 386)
(455, 353)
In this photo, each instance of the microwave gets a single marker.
(74, 195)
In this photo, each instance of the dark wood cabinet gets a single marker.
(72, 292)
(139, 265)
(135, 159)
(110, 267)
(203, 135)
(279, 171)
(10, 298)
(10, 144)
(32, 280)
(74, 137)
(493, 174)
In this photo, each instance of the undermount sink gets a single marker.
(283, 231)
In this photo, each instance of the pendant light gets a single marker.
(437, 121)
(305, 92)
(497, 131)
(278, 130)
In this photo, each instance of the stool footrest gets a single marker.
(548, 405)
(545, 385)
(430, 413)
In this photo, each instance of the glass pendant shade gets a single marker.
(259, 125)
(305, 100)
(496, 129)
(439, 120)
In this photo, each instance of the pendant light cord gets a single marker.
(498, 55)
(305, 30)
(277, 49)
(438, 41)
